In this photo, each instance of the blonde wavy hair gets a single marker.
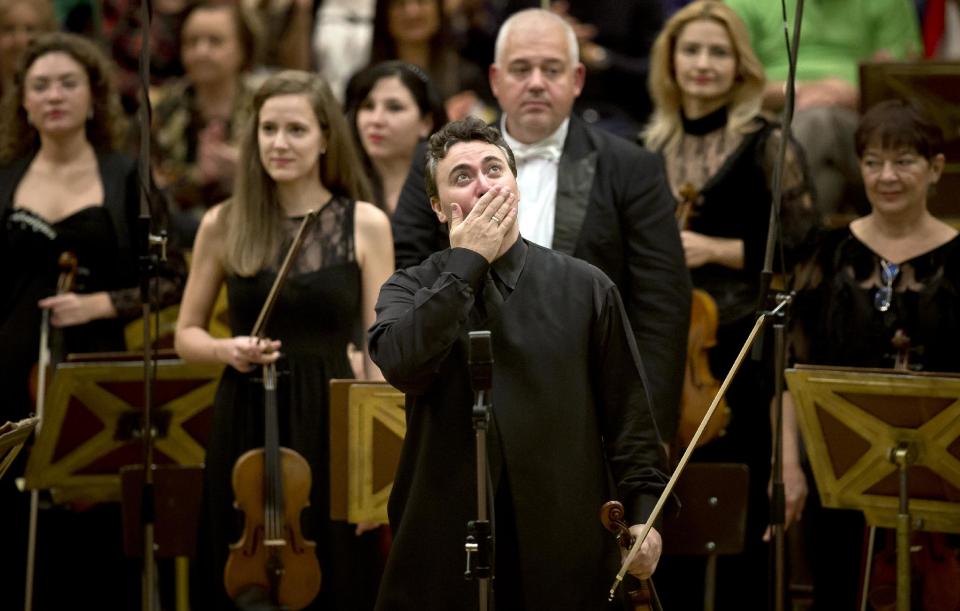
(745, 98)
(106, 129)
(253, 215)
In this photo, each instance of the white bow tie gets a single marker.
(547, 150)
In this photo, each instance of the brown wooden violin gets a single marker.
(699, 385)
(272, 487)
(642, 595)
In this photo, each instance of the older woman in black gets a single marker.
(895, 270)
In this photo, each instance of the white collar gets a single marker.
(550, 148)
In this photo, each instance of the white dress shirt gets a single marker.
(537, 166)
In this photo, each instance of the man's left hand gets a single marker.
(645, 563)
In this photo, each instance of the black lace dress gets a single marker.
(731, 172)
(314, 318)
(846, 313)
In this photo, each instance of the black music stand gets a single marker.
(712, 520)
(12, 437)
(886, 443)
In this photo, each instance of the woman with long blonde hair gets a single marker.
(719, 152)
(296, 155)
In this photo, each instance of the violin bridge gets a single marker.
(274, 542)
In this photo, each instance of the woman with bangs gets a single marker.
(391, 106)
(885, 287)
(719, 152)
(296, 155)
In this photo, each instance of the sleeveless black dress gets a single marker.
(314, 318)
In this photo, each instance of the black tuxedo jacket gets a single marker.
(614, 209)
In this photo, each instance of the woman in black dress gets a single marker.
(706, 84)
(894, 270)
(296, 155)
(64, 186)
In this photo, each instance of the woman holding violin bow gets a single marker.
(65, 187)
(298, 177)
(719, 153)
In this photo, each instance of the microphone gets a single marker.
(480, 359)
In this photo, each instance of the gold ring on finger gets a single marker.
(496, 219)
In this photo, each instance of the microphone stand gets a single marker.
(769, 297)
(149, 269)
(479, 541)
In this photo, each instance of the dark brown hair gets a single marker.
(896, 124)
(470, 129)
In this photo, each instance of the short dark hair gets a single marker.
(470, 129)
(899, 124)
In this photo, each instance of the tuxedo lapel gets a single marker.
(577, 168)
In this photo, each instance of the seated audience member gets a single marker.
(281, 30)
(391, 106)
(417, 32)
(123, 34)
(835, 37)
(588, 193)
(65, 187)
(893, 272)
(720, 153)
(20, 22)
(195, 119)
(341, 39)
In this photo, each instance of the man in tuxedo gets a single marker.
(587, 193)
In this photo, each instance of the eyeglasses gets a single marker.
(884, 295)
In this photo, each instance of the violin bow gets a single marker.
(631, 556)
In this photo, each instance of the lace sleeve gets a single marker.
(798, 213)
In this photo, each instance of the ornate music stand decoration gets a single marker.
(92, 424)
(886, 443)
(367, 426)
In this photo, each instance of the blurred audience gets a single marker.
(941, 28)
(20, 22)
(391, 106)
(418, 32)
(122, 32)
(341, 40)
(835, 37)
(195, 118)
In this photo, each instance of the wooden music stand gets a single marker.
(886, 443)
(92, 423)
(367, 426)
(12, 437)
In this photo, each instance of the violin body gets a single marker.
(699, 385)
(250, 559)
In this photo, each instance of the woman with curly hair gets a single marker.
(64, 187)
